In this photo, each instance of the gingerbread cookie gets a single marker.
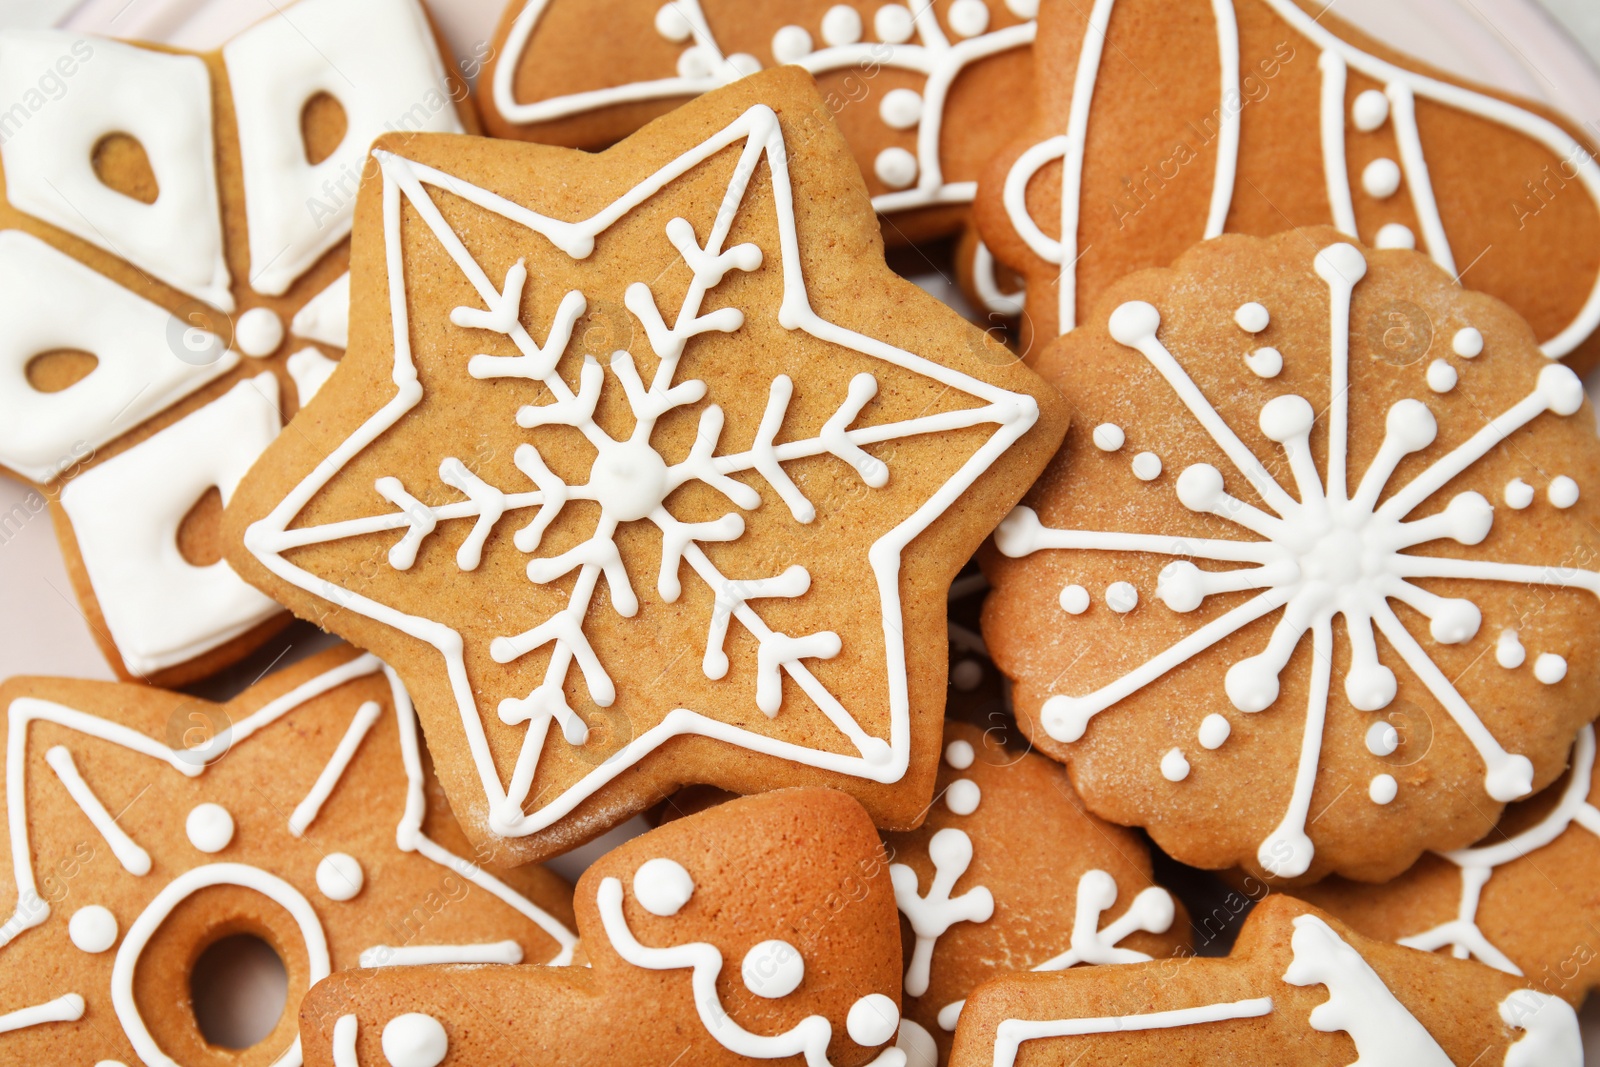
(1520, 900)
(1162, 122)
(674, 368)
(1009, 873)
(146, 825)
(1300, 987)
(926, 93)
(172, 278)
(762, 929)
(1301, 673)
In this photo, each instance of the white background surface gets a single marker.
(1513, 44)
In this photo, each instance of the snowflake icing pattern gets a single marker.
(1328, 553)
(630, 480)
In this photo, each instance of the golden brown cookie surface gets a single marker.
(645, 470)
(149, 825)
(1310, 587)
(761, 930)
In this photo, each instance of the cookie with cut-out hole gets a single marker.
(1163, 122)
(145, 826)
(1009, 873)
(1520, 900)
(1299, 987)
(925, 93)
(643, 470)
(1315, 622)
(173, 279)
(761, 929)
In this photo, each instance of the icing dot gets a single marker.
(896, 167)
(959, 754)
(696, 62)
(773, 969)
(92, 929)
(743, 64)
(901, 108)
(414, 1040)
(1381, 178)
(258, 333)
(920, 1049)
(1174, 768)
(1252, 318)
(1074, 600)
(1147, 466)
(1394, 235)
(791, 43)
(662, 886)
(1508, 650)
(1549, 668)
(1108, 437)
(969, 17)
(872, 1020)
(1382, 738)
(339, 876)
(1214, 730)
(1563, 492)
(893, 24)
(673, 24)
(841, 25)
(1122, 597)
(1467, 343)
(1383, 789)
(963, 795)
(1265, 362)
(210, 827)
(1442, 376)
(967, 675)
(1023, 9)
(1518, 494)
(1370, 110)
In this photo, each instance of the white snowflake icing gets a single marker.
(1328, 553)
(630, 480)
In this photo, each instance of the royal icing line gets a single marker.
(809, 1037)
(1012, 1033)
(1462, 935)
(1306, 572)
(1337, 57)
(66, 1008)
(880, 760)
(322, 788)
(936, 58)
(32, 910)
(950, 851)
(134, 859)
(416, 955)
(378, 60)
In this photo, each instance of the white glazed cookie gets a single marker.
(760, 930)
(172, 278)
(629, 472)
(1335, 639)
(926, 93)
(145, 825)
(1298, 987)
(1164, 122)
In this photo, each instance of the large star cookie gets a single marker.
(146, 825)
(763, 929)
(926, 93)
(1297, 980)
(1263, 615)
(1162, 122)
(644, 470)
(1010, 873)
(172, 279)
(1521, 900)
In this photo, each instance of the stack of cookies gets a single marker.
(1190, 656)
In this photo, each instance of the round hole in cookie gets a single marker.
(121, 164)
(60, 368)
(239, 987)
(200, 532)
(323, 124)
